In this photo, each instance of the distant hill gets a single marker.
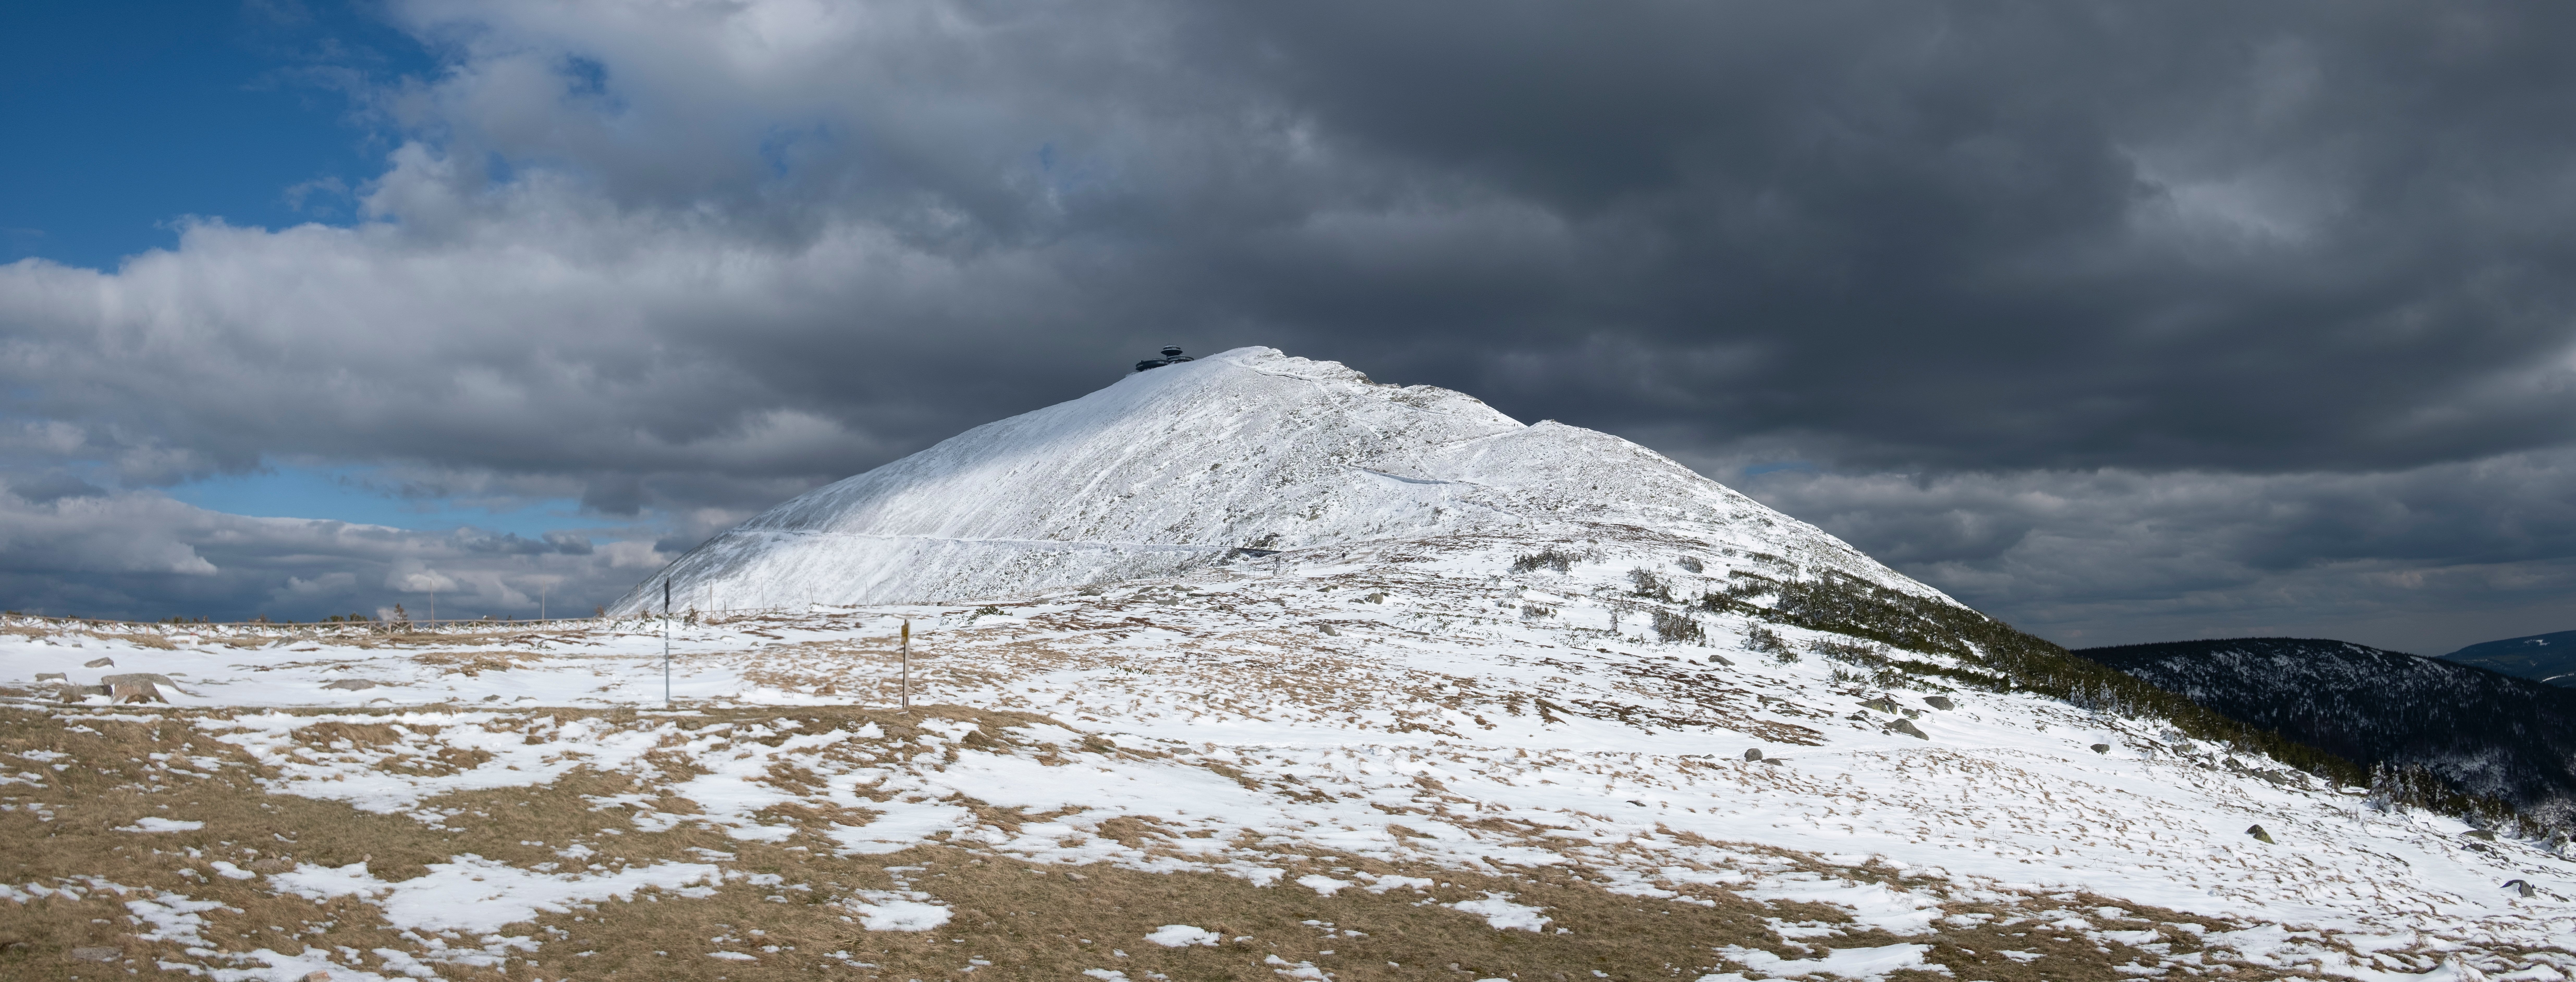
(2483, 731)
(2547, 658)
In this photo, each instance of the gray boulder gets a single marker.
(1907, 727)
(2258, 834)
(1754, 754)
(1940, 702)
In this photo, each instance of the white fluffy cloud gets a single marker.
(139, 553)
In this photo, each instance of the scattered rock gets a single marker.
(2480, 847)
(1375, 598)
(1910, 713)
(317, 976)
(1939, 702)
(2101, 748)
(97, 954)
(99, 663)
(1328, 631)
(2480, 834)
(1907, 727)
(154, 678)
(129, 689)
(1882, 704)
(2520, 887)
(1754, 754)
(350, 685)
(52, 677)
(2259, 835)
(1715, 660)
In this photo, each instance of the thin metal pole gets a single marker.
(541, 602)
(666, 643)
(907, 666)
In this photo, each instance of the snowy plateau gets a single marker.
(1243, 668)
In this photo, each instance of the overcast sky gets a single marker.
(2123, 322)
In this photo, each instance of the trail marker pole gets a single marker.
(541, 603)
(666, 644)
(907, 666)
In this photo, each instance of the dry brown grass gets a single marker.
(1027, 921)
(474, 663)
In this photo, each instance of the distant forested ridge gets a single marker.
(2408, 718)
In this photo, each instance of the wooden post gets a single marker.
(666, 643)
(907, 666)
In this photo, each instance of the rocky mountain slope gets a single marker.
(1187, 466)
(2484, 732)
(2549, 658)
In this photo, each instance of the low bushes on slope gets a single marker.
(1995, 656)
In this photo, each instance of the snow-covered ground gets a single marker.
(1418, 702)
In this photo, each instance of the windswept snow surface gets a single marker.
(1179, 467)
(1416, 701)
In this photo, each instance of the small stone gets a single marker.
(351, 685)
(97, 954)
(1754, 754)
(99, 663)
(130, 689)
(1907, 727)
(2101, 748)
(1715, 660)
(1882, 704)
(1939, 702)
(2520, 887)
(2480, 834)
(2258, 834)
(52, 677)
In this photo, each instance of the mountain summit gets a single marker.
(1204, 462)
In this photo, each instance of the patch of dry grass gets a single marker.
(1012, 919)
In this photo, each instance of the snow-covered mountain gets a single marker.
(1187, 466)
(1506, 702)
(2547, 658)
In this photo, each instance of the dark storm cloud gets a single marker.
(2268, 238)
(2279, 262)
